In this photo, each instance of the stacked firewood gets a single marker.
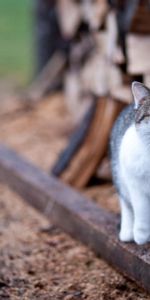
(109, 43)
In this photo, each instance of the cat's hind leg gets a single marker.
(126, 231)
(141, 207)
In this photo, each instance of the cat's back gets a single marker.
(123, 122)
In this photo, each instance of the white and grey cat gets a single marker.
(130, 158)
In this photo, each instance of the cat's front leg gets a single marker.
(141, 207)
(126, 231)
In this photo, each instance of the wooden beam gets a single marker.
(76, 215)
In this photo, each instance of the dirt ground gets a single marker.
(37, 260)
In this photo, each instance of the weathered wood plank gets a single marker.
(76, 215)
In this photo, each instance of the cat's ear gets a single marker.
(139, 91)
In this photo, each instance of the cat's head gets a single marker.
(141, 96)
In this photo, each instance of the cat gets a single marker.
(130, 162)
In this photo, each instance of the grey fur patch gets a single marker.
(123, 122)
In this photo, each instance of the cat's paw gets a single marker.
(141, 236)
(126, 235)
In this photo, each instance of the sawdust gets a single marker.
(37, 260)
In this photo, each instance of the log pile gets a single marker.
(108, 49)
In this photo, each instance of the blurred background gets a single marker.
(16, 41)
(66, 69)
(32, 31)
(84, 52)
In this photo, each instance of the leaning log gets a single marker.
(88, 157)
(76, 215)
(75, 142)
(46, 79)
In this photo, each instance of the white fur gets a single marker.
(134, 161)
